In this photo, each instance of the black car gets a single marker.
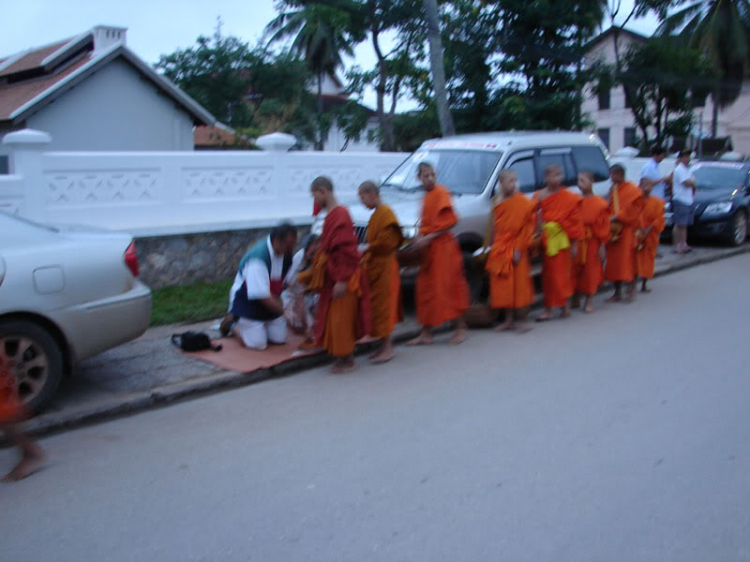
(722, 201)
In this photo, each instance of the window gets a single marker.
(630, 137)
(590, 158)
(604, 95)
(604, 136)
(4, 168)
(526, 176)
(562, 158)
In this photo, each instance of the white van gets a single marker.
(468, 165)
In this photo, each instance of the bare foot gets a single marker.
(421, 339)
(565, 314)
(630, 298)
(504, 327)
(589, 308)
(342, 366)
(383, 357)
(645, 290)
(546, 317)
(614, 298)
(458, 337)
(33, 459)
(523, 327)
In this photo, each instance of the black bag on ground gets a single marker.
(194, 341)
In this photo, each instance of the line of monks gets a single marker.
(583, 239)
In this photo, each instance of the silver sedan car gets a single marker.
(65, 295)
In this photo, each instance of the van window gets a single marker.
(461, 171)
(562, 159)
(590, 158)
(524, 168)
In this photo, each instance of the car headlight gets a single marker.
(718, 208)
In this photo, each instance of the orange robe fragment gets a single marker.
(626, 209)
(588, 271)
(510, 284)
(442, 291)
(652, 217)
(11, 409)
(564, 208)
(384, 238)
(340, 322)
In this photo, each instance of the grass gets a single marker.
(191, 303)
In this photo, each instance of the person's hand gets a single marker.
(339, 290)
(516, 256)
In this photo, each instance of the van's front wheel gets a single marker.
(476, 278)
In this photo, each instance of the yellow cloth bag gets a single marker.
(556, 238)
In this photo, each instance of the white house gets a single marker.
(614, 122)
(91, 92)
(335, 94)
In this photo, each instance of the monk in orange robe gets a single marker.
(343, 314)
(508, 264)
(384, 238)
(625, 208)
(11, 413)
(652, 224)
(442, 290)
(561, 228)
(588, 271)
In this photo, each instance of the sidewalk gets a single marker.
(149, 372)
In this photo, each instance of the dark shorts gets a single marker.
(683, 214)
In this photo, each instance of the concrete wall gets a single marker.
(170, 193)
(115, 109)
(191, 258)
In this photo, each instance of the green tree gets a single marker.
(721, 30)
(664, 79)
(321, 35)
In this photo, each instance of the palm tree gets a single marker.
(721, 29)
(319, 39)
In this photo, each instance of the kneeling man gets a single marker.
(255, 303)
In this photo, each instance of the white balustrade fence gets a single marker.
(155, 193)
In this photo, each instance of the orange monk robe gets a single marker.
(588, 272)
(384, 238)
(340, 322)
(652, 216)
(621, 252)
(442, 291)
(11, 410)
(510, 284)
(564, 208)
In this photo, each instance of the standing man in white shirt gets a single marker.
(651, 175)
(255, 305)
(683, 197)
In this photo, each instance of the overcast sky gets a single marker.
(156, 28)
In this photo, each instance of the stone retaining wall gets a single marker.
(189, 258)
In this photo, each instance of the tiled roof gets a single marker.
(32, 59)
(14, 96)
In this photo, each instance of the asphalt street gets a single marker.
(620, 436)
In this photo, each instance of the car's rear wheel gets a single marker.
(34, 361)
(737, 230)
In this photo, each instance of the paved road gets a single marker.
(617, 437)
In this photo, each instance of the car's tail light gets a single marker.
(131, 260)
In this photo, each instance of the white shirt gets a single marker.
(650, 171)
(256, 278)
(681, 192)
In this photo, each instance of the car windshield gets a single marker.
(719, 176)
(461, 171)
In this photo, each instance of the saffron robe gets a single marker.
(381, 266)
(645, 255)
(563, 208)
(11, 409)
(588, 271)
(513, 227)
(626, 206)
(442, 293)
(340, 322)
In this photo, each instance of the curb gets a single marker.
(52, 423)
